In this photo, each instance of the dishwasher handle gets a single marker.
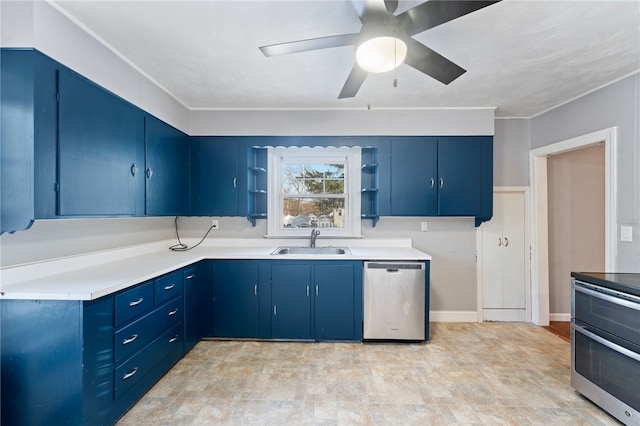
(395, 267)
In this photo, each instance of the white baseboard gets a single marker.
(453, 316)
(559, 317)
(505, 315)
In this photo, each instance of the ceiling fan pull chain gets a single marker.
(395, 59)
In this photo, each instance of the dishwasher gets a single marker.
(394, 301)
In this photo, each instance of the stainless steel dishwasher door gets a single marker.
(394, 300)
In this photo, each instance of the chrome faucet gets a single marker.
(314, 235)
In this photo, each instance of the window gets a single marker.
(314, 188)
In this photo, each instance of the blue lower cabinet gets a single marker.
(291, 299)
(338, 301)
(197, 304)
(319, 300)
(80, 362)
(57, 362)
(235, 286)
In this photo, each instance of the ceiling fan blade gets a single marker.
(431, 62)
(435, 12)
(309, 44)
(391, 5)
(353, 83)
(366, 8)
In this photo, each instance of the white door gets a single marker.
(504, 259)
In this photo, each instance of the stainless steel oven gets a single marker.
(605, 348)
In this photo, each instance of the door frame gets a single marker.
(527, 243)
(540, 227)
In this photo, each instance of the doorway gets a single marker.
(576, 194)
(538, 169)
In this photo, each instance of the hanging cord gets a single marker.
(395, 59)
(182, 246)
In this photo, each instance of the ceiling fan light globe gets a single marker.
(381, 54)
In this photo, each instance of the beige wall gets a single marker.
(576, 195)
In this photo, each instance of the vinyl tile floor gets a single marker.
(468, 373)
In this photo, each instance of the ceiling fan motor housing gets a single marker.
(382, 44)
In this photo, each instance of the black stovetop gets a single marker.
(628, 283)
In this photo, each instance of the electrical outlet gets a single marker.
(424, 227)
(214, 224)
(626, 233)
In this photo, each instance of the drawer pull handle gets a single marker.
(189, 277)
(169, 287)
(136, 302)
(130, 373)
(173, 339)
(130, 339)
(175, 311)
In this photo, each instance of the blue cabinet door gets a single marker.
(235, 298)
(57, 362)
(100, 151)
(413, 177)
(193, 318)
(45, 136)
(291, 301)
(167, 169)
(214, 176)
(460, 176)
(337, 300)
(16, 139)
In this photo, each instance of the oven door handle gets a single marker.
(608, 298)
(607, 343)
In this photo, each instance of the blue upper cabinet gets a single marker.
(45, 135)
(442, 176)
(16, 139)
(462, 183)
(413, 177)
(167, 169)
(100, 151)
(215, 177)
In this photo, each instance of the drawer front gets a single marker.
(140, 332)
(134, 369)
(134, 302)
(168, 286)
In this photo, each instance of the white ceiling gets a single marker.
(522, 57)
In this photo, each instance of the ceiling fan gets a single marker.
(385, 40)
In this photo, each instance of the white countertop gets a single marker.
(90, 276)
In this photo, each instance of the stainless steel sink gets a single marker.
(311, 250)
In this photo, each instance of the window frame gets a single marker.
(351, 157)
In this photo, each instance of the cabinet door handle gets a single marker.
(134, 169)
(235, 182)
(499, 242)
(173, 339)
(175, 311)
(441, 182)
(169, 287)
(136, 302)
(316, 290)
(130, 373)
(189, 277)
(307, 291)
(255, 290)
(130, 339)
(433, 182)
(275, 310)
(506, 242)
(149, 172)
